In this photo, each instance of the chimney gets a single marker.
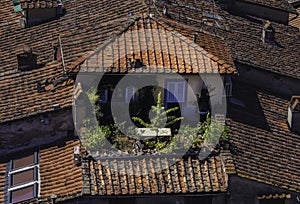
(195, 37)
(268, 33)
(294, 114)
(27, 60)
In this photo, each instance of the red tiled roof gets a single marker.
(159, 46)
(265, 149)
(58, 172)
(139, 176)
(60, 176)
(83, 28)
(79, 32)
(244, 36)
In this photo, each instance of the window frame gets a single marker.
(176, 82)
(35, 183)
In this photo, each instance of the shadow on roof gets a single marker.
(244, 106)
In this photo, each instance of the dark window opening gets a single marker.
(22, 194)
(42, 15)
(22, 177)
(25, 161)
(27, 61)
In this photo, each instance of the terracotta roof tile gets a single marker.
(243, 36)
(275, 196)
(139, 176)
(82, 30)
(58, 172)
(159, 46)
(19, 90)
(265, 149)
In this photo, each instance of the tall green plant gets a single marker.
(94, 98)
(160, 117)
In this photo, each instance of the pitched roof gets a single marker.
(264, 149)
(20, 96)
(58, 171)
(60, 176)
(139, 176)
(159, 46)
(243, 36)
(84, 28)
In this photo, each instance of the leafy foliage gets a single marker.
(212, 131)
(94, 98)
(160, 117)
(207, 133)
(94, 135)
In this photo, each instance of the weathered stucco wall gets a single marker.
(29, 132)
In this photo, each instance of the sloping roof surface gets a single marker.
(134, 176)
(58, 173)
(139, 176)
(243, 36)
(159, 46)
(265, 149)
(84, 28)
